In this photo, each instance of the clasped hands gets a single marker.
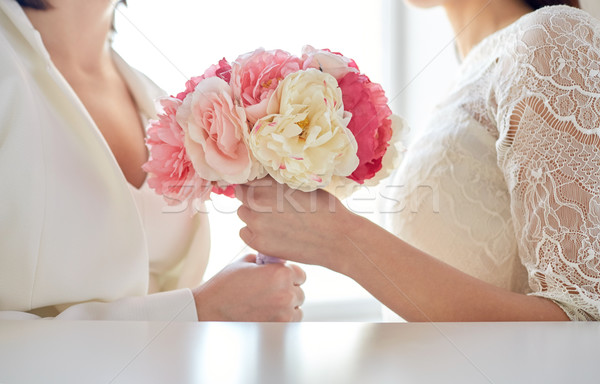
(304, 227)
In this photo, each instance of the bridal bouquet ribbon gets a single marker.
(310, 121)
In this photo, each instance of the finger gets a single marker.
(299, 297)
(240, 192)
(266, 181)
(297, 315)
(244, 213)
(298, 276)
(246, 235)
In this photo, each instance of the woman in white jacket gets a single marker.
(81, 234)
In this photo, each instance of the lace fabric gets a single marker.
(504, 183)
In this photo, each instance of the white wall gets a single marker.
(423, 60)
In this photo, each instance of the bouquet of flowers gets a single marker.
(310, 121)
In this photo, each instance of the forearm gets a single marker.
(421, 288)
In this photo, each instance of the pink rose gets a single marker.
(255, 77)
(370, 123)
(216, 133)
(171, 173)
(222, 70)
(333, 63)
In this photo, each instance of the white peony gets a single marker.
(304, 140)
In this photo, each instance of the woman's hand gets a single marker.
(245, 291)
(307, 227)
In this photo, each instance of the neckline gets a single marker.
(141, 188)
(480, 49)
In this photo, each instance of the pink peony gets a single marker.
(171, 173)
(255, 77)
(216, 133)
(333, 63)
(370, 123)
(222, 70)
(228, 190)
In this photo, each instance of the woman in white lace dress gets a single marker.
(497, 201)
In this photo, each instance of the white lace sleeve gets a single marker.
(548, 98)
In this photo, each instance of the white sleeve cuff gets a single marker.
(177, 305)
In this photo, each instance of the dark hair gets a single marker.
(42, 4)
(535, 4)
(36, 4)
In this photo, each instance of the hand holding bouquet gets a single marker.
(310, 122)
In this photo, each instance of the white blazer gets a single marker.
(72, 242)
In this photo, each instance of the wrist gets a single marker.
(203, 307)
(196, 293)
(351, 239)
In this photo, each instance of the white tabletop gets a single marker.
(50, 351)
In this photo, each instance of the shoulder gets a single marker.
(559, 17)
(551, 56)
(17, 68)
(542, 39)
(558, 26)
(11, 44)
(555, 46)
(21, 48)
